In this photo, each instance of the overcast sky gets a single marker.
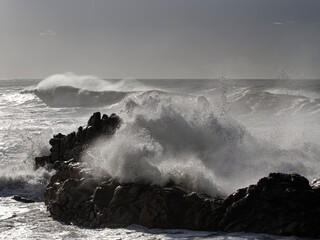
(160, 38)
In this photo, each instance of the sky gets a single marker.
(160, 38)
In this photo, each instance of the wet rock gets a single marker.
(66, 147)
(42, 161)
(22, 199)
(74, 199)
(283, 204)
(103, 194)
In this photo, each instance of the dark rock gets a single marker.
(59, 135)
(103, 194)
(42, 161)
(66, 147)
(95, 120)
(22, 199)
(74, 199)
(283, 204)
(55, 141)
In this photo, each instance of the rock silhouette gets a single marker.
(66, 147)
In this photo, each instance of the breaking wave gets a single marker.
(70, 90)
(67, 96)
(186, 140)
(25, 182)
(206, 136)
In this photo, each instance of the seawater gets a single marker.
(211, 136)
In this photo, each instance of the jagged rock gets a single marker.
(95, 120)
(65, 147)
(284, 204)
(73, 198)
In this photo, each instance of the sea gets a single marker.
(209, 136)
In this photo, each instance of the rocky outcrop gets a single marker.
(66, 147)
(284, 204)
(76, 195)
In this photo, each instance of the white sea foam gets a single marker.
(186, 139)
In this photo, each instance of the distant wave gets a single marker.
(274, 101)
(294, 92)
(70, 90)
(66, 96)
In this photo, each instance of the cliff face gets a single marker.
(284, 204)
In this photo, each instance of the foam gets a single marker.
(167, 138)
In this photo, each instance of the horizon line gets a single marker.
(128, 78)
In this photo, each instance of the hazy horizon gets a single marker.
(200, 79)
(167, 39)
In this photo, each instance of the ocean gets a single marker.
(209, 136)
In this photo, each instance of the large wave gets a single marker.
(188, 140)
(70, 90)
(89, 82)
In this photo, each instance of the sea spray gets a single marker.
(17, 174)
(210, 140)
(184, 138)
(167, 138)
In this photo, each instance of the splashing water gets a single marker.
(211, 136)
